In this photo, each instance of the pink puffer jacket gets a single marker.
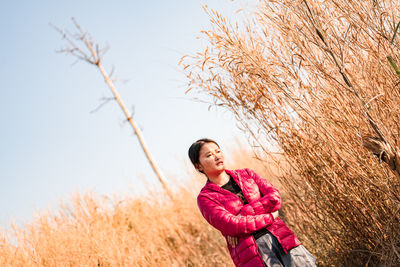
(226, 212)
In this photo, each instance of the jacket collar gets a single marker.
(211, 186)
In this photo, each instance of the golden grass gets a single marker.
(94, 230)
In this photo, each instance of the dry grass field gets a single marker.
(94, 230)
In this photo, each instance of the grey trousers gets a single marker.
(273, 255)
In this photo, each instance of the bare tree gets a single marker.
(81, 45)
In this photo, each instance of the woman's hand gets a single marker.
(275, 214)
(232, 241)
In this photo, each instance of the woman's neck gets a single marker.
(219, 179)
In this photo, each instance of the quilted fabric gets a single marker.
(226, 212)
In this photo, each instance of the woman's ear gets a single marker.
(198, 167)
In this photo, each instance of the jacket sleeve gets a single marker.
(229, 224)
(270, 200)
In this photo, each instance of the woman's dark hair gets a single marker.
(194, 150)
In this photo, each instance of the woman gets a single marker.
(244, 208)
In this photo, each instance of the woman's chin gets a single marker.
(221, 168)
(218, 170)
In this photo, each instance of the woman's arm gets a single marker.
(234, 240)
(229, 224)
(265, 204)
(270, 200)
(265, 187)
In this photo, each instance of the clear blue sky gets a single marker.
(51, 145)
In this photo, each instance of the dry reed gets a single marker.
(314, 80)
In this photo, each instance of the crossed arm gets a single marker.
(270, 200)
(229, 224)
(252, 217)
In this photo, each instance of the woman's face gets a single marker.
(211, 160)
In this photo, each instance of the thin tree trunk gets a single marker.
(136, 129)
(92, 54)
